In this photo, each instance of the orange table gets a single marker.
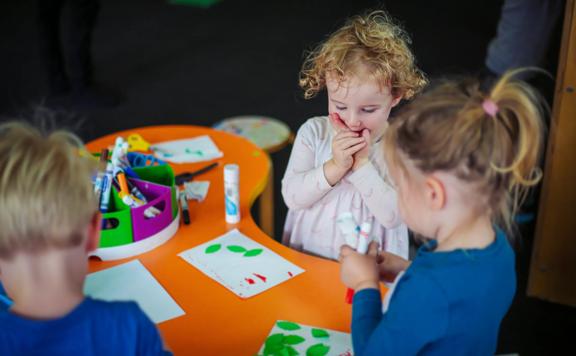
(217, 322)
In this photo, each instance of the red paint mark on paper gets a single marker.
(347, 353)
(260, 276)
(249, 280)
(290, 274)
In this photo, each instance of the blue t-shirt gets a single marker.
(446, 303)
(93, 328)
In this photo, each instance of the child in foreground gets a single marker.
(462, 161)
(367, 68)
(49, 223)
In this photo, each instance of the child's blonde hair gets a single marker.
(46, 196)
(491, 140)
(372, 40)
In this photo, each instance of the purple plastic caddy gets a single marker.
(159, 196)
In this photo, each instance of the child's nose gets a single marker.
(352, 121)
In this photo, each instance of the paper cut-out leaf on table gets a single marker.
(275, 339)
(213, 248)
(254, 252)
(273, 344)
(293, 340)
(319, 333)
(291, 351)
(317, 350)
(282, 352)
(273, 349)
(236, 249)
(286, 325)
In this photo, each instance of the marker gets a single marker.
(122, 181)
(185, 177)
(136, 192)
(101, 172)
(348, 228)
(363, 242)
(184, 206)
(106, 187)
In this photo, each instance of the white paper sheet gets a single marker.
(287, 337)
(240, 264)
(132, 281)
(191, 150)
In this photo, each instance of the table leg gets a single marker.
(267, 204)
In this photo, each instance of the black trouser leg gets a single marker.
(79, 32)
(50, 45)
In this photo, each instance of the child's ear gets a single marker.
(396, 100)
(94, 232)
(435, 193)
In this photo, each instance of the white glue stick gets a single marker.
(348, 228)
(232, 193)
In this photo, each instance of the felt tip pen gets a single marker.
(101, 171)
(185, 209)
(188, 176)
(106, 187)
(122, 181)
(363, 243)
(136, 192)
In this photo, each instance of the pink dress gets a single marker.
(314, 205)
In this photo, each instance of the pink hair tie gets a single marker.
(490, 107)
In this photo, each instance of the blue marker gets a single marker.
(106, 187)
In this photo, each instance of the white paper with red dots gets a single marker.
(241, 264)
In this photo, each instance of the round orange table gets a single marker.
(217, 322)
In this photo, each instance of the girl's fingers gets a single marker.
(351, 150)
(345, 134)
(349, 142)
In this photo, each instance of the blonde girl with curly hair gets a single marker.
(367, 68)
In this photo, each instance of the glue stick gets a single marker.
(231, 193)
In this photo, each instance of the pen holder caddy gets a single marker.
(127, 231)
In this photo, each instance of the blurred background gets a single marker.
(150, 62)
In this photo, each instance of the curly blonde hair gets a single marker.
(373, 40)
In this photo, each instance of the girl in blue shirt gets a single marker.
(462, 161)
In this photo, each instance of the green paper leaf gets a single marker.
(274, 339)
(286, 325)
(291, 351)
(212, 248)
(254, 252)
(236, 249)
(317, 350)
(293, 340)
(273, 349)
(319, 333)
(282, 352)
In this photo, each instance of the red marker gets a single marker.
(363, 242)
